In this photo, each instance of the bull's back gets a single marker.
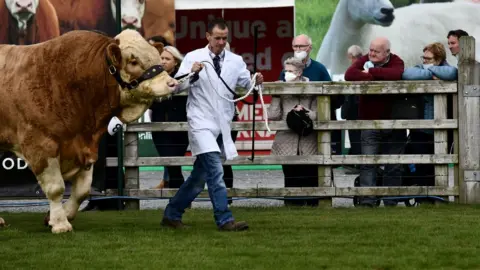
(42, 84)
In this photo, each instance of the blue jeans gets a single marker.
(207, 168)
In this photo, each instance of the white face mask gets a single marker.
(300, 54)
(426, 66)
(289, 76)
(368, 65)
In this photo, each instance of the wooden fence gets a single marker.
(465, 123)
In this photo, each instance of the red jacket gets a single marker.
(375, 107)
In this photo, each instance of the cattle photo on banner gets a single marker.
(26, 22)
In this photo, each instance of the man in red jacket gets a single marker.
(378, 65)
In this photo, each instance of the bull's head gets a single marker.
(22, 11)
(132, 12)
(136, 63)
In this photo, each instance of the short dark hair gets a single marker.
(160, 39)
(457, 33)
(217, 22)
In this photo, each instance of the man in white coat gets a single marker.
(209, 117)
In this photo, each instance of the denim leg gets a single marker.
(392, 176)
(212, 162)
(187, 192)
(371, 145)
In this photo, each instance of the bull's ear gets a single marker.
(159, 46)
(114, 54)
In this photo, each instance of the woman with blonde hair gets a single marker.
(170, 143)
(288, 142)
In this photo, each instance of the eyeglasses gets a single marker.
(300, 46)
(426, 58)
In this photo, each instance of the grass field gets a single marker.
(445, 237)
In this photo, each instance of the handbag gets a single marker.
(300, 122)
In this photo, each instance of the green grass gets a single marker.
(446, 237)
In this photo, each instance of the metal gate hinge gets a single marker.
(471, 90)
(471, 176)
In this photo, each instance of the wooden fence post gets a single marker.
(324, 147)
(440, 140)
(132, 174)
(469, 122)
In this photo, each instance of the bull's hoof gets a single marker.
(62, 227)
(2, 223)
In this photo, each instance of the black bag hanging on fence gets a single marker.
(300, 122)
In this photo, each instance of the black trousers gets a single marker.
(424, 174)
(301, 176)
(172, 144)
(227, 169)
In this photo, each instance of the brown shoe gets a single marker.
(234, 226)
(175, 224)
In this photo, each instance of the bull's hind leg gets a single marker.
(81, 185)
(53, 186)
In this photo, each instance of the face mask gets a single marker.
(426, 66)
(289, 76)
(368, 65)
(300, 54)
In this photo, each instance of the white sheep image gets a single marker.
(410, 28)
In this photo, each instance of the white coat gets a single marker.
(208, 114)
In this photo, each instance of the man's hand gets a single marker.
(435, 78)
(259, 79)
(365, 71)
(197, 67)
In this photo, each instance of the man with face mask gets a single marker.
(316, 72)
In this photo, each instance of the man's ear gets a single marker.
(114, 54)
(158, 45)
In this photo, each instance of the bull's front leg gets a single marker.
(53, 186)
(81, 185)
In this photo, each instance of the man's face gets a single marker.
(453, 45)
(217, 39)
(301, 44)
(378, 53)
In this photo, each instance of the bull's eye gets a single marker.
(133, 62)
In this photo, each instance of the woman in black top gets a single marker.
(170, 143)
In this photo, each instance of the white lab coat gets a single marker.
(208, 114)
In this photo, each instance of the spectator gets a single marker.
(354, 52)
(316, 72)
(378, 65)
(289, 143)
(349, 109)
(170, 143)
(434, 67)
(454, 40)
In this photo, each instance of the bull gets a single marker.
(57, 98)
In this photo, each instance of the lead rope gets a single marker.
(252, 87)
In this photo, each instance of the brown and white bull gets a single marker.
(58, 97)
